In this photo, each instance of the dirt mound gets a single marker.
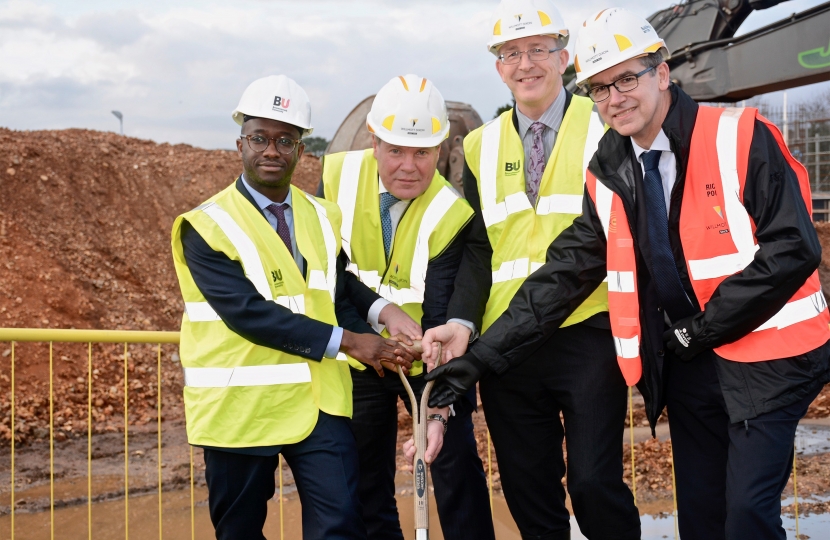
(85, 227)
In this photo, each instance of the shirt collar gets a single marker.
(382, 189)
(661, 142)
(552, 117)
(262, 201)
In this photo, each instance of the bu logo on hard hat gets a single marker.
(414, 121)
(280, 103)
(518, 17)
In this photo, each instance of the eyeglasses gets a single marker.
(624, 84)
(259, 143)
(535, 55)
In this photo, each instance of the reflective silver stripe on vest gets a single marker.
(740, 226)
(370, 278)
(627, 347)
(244, 246)
(596, 129)
(796, 311)
(622, 282)
(347, 196)
(604, 198)
(247, 376)
(203, 312)
(488, 168)
(559, 204)
(433, 215)
(317, 279)
(200, 312)
(494, 212)
(516, 269)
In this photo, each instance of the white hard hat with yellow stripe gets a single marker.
(611, 37)
(515, 19)
(409, 111)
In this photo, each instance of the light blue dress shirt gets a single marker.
(264, 202)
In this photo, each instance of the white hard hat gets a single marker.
(515, 19)
(409, 111)
(279, 98)
(611, 37)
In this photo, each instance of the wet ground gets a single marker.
(108, 511)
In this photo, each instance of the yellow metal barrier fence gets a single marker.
(126, 337)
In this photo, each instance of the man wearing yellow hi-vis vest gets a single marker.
(525, 178)
(402, 228)
(264, 336)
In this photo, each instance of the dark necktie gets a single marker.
(664, 272)
(536, 167)
(387, 200)
(282, 226)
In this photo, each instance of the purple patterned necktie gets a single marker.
(282, 226)
(537, 163)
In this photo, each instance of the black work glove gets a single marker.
(454, 379)
(681, 340)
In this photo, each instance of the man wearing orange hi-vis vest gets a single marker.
(699, 220)
(525, 178)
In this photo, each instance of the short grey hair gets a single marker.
(651, 60)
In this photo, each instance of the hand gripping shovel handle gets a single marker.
(419, 435)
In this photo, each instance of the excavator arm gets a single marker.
(711, 64)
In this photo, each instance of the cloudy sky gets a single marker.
(176, 68)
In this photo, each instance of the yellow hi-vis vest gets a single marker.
(520, 234)
(431, 222)
(239, 394)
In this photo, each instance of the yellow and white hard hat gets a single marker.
(611, 37)
(515, 19)
(409, 111)
(279, 98)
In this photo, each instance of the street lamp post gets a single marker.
(120, 117)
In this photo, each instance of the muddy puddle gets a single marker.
(108, 519)
(812, 439)
(108, 512)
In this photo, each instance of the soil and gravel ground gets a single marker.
(85, 243)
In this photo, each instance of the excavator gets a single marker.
(711, 64)
(707, 60)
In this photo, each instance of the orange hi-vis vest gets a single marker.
(718, 238)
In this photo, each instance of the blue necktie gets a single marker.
(387, 200)
(664, 272)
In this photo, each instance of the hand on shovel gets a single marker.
(435, 441)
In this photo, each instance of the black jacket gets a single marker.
(789, 252)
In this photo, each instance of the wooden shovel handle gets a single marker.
(419, 435)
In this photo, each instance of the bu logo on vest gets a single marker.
(276, 275)
(511, 168)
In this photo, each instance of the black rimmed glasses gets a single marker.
(535, 55)
(284, 145)
(624, 84)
